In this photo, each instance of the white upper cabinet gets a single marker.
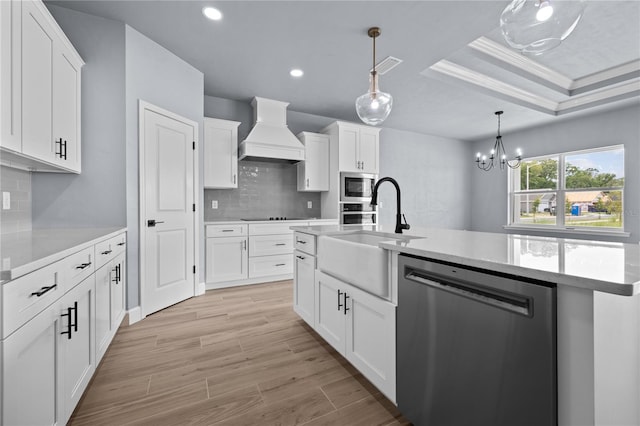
(313, 172)
(358, 146)
(40, 73)
(220, 153)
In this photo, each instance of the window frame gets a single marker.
(560, 191)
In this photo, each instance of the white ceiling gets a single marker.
(250, 52)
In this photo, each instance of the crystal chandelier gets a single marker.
(374, 106)
(535, 26)
(498, 154)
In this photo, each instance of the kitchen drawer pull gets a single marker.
(43, 290)
(301, 242)
(281, 244)
(121, 244)
(227, 230)
(107, 252)
(280, 264)
(301, 257)
(83, 265)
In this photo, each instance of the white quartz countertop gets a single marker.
(24, 252)
(595, 265)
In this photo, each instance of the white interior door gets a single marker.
(167, 207)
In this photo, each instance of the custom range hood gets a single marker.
(270, 139)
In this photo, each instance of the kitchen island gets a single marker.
(598, 306)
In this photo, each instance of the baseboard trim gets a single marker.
(200, 288)
(135, 315)
(258, 280)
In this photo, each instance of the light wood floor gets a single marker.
(237, 356)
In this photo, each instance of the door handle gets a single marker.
(152, 222)
(234, 179)
(339, 304)
(307, 182)
(346, 308)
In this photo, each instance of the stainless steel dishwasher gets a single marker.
(474, 347)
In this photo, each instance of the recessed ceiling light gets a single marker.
(296, 72)
(212, 13)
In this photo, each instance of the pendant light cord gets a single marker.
(373, 73)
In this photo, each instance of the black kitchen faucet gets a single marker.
(399, 216)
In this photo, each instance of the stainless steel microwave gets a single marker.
(356, 187)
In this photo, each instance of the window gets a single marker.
(574, 190)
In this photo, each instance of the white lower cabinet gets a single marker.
(76, 350)
(360, 326)
(29, 377)
(48, 349)
(48, 363)
(110, 303)
(227, 259)
(303, 286)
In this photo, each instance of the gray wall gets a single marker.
(94, 198)
(157, 76)
(18, 217)
(433, 176)
(488, 190)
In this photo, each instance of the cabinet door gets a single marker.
(227, 259)
(37, 60)
(371, 339)
(76, 351)
(317, 163)
(369, 148)
(10, 75)
(220, 153)
(303, 286)
(348, 148)
(103, 310)
(66, 111)
(29, 378)
(118, 293)
(329, 310)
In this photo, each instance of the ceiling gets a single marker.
(251, 50)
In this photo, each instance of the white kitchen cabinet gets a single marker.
(110, 303)
(313, 172)
(41, 76)
(360, 326)
(303, 286)
(220, 153)
(227, 259)
(76, 346)
(29, 376)
(358, 146)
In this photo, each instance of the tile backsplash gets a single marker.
(264, 190)
(18, 184)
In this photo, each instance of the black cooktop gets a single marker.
(260, 219)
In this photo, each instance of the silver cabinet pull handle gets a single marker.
(244, 244)
(280, 244)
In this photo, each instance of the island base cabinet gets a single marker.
(303, 286)
(360, 326)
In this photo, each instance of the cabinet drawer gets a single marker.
(305, 243)
(305, 259)
(273, 228)
(270, 265)
(226, 230)
(24, 297)
(104, 253)
(265, 245)
(119, 244)
(77, 267)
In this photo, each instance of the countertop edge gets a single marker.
(18, 271)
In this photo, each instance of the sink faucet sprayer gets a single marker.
(374, 201)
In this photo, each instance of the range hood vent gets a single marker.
(270, 139)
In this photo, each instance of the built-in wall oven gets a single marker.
(357, 213)
(356, 187)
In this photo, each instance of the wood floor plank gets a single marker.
(236, 356)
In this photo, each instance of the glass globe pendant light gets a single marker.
(535, 26)
(374, 106)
